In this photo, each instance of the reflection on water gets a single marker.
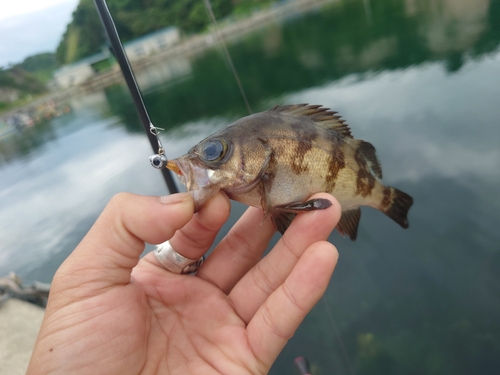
(418, 79)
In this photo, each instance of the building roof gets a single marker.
(103, 55)
(165, 30)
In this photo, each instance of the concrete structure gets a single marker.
(152, 43)
(137, 49)
(8, 94)
(80, 71)
(19, 325)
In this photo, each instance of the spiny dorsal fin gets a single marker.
(321, 115)
(348, 223)
(368, 151)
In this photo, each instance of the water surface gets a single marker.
(418, 79)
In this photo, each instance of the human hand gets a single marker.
(111, 313)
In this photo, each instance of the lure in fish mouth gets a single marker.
(276, 159)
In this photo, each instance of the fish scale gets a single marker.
(277, 159)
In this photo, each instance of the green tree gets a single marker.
(40, 61)
(17, 78)
(41, 65)
(84, 36)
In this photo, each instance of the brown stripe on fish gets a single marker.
(336, 162)
(365, 181)
(386, 200)
(268, 178)
(298, 165)
(305, 135)
(304, 132)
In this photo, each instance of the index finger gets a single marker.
(112, 247)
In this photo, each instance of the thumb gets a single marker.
(106, 255)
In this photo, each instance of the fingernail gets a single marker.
(175, 198)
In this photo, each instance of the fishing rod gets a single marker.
(159, 160)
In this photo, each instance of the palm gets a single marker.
(110, 313)
(190, 318)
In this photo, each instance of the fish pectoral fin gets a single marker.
(348, 224)
(283, 215)
(311, 205)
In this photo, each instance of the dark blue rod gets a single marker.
(119, 53)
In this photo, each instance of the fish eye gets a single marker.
(213, 150)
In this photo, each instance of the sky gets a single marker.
(28, 27)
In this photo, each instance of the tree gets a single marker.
(84, 36)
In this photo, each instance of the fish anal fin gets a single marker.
(348, 224)
(283, 215)
(396, 204)
(282, 220)
(320, 115)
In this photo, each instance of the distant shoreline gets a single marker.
(190, 46)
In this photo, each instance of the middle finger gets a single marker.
(238, 251)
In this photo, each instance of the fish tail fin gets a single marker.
(396, 204)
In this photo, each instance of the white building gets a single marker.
(147, 45)
(78, 72)
(151, 43)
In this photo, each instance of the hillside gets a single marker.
(84, 35)
(20, 82)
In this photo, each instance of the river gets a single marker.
(418, 79)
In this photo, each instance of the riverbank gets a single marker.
(229, 30)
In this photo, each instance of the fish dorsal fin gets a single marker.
(348, 223)
(320, 115)
(368, 151)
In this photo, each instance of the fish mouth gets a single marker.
(195, 178)
(176, 167)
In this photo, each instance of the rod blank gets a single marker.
(119, 53)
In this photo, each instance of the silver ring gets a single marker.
(175, 262)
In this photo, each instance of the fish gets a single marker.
(277, 159)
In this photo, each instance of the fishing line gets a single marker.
(339, 338)
(208, 6)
